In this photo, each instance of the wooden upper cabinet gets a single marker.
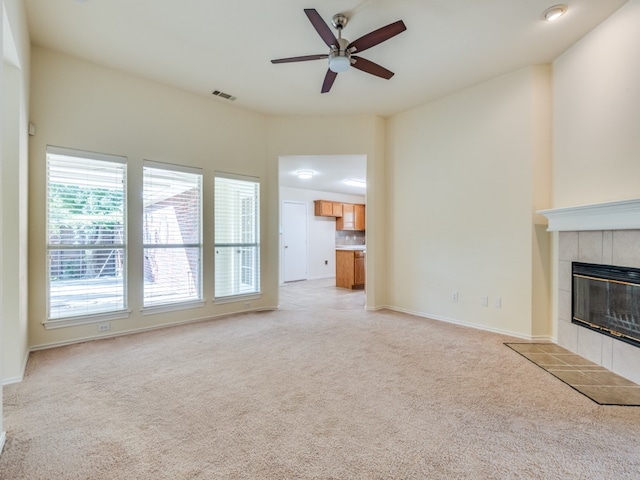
(347, 221)
(348, 216)
(326, 208)
(358, 215)
(323, 208)
(352, 217)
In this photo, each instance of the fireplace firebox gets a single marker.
(606, 298)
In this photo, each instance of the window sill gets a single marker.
(237, 298)
(75, 321)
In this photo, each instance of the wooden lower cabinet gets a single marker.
(350, 268)
(358, 268)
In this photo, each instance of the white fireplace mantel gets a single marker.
(621, 215)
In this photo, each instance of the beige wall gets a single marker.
(597, 114)
(357, 134)
(79, 105)
(465, 175)
(14, 151)
(14, 105)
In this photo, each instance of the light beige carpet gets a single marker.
(318, 390)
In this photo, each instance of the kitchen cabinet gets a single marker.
(337, 209)
(358, 217)
(326, 208)
(347, 221)
(352, 217)
(350, 268)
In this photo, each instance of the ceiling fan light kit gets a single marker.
(341, 52)
(339, 63)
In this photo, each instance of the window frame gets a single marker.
(51, 322)
(243, 245)
(188, 303)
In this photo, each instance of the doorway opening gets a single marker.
(308, 239)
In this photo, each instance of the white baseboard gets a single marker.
(467, 324)
(18, 378)
(45, 346)
(310, 277)
(379, 307)
(543, 338)
(12, 380)
(320, 277)
(3, 438)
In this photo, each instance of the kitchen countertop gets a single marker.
(351, 247)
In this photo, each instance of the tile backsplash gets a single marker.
(344, 237)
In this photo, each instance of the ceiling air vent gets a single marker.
(218, 93)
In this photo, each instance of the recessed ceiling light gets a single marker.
(305, 174)
(554, 13)
(355, 183)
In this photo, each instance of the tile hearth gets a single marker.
(594, 381)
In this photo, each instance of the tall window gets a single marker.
(172, 233)
(86, 234)
(237, 235)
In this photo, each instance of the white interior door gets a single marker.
(294, 241)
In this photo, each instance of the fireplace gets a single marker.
(606, 299)
(600, 234)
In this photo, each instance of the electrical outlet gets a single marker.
(498, 302)
(326, 262)
(454, 297)
(104, 327)
(485, 301)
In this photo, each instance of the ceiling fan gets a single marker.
(341, 54)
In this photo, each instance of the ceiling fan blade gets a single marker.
(372, 39)
(369, 67)
(329, 78)
(300, 59)
(321, 27)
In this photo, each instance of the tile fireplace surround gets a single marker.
(608, 234)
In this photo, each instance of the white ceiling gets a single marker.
(330, 171)
(204, 45)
